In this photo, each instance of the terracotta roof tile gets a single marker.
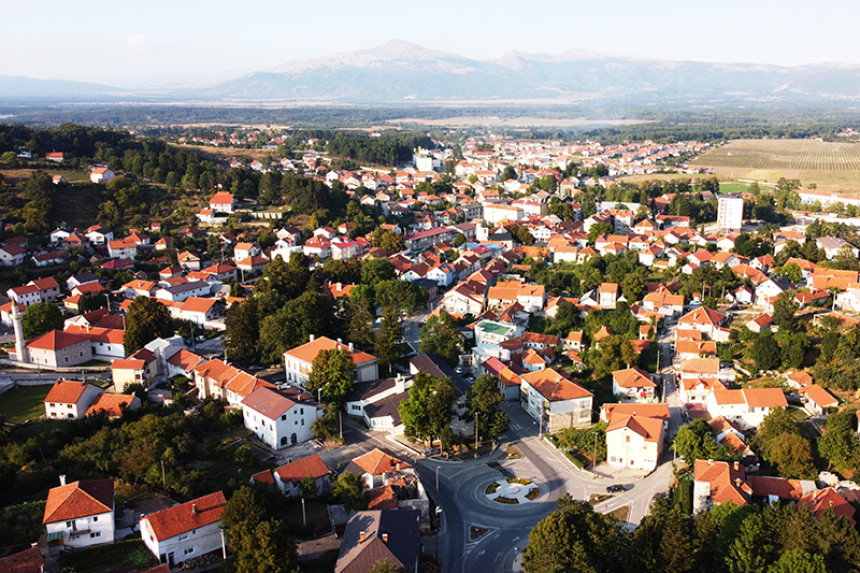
(79, 499)
(310, 466)
(178, 519)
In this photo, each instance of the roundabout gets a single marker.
(512, 491)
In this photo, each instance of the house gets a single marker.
(833, 245)
(633, 384)
(760, 323)
(376, 535)
(184, 531)
(27, 561)
(703, 319)
(113, 404)
(816, 399)
(377, 402)
(746, 407)
(288, 477)
(80, 514)
(222, 202)
(554, 401)
(12, 255)
(101, 175)
(277, 420)
(299, 360)
(608, 295)
(634, 441)
(58, 348)
(70, 399)
(375, 466)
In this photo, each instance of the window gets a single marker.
(68, 524)
(95, 534)
(183, 537)
(96, 518)
(189, 551)
(283, 417)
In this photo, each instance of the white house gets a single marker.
(80, 514)
(184, 531)
(633, 384)
(554, 401)
(276, 420)
(299, 360)
(746, 407)
(101, 175)
(70, 399)
(376, 402)
(634, 441)
(288, 477)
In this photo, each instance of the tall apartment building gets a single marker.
(730, 212)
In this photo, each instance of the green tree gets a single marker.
(459, 240)
(147, 320)
(484, 399)
(695, 441)
(242, 331)
(387, 339)
(839, 443)
(266, 549)
(429, 407)
(348, 488)
(308, 485)
(385, 566)
(666, 541)
(376, 270)
(779, 442)
(439, 335)
(40, 318)
(574, 538)
(764, 351)
(360, 326)
(799, 561)
(784, 309)
(598, 229)
(333, 372)
(402, 295)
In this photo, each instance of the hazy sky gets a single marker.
(153, 42)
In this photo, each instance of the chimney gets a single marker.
(710, 462)
(737, 466)
(339, 286)
(340, 340)
(738, 482)
(311, 338)
(400, 383)
(362, 535)
(385, 538)
(351, 348)
(194, 508)
(62, 479)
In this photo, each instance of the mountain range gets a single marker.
(399, 72)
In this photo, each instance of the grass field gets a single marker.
(120, 557)
(830, 166)
(24, 403)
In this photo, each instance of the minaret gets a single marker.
(21, 351)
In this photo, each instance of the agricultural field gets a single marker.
(830, 166)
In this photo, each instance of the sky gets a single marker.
(194, 42)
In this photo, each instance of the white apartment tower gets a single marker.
(730, 212)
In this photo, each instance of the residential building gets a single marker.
(376, 535)
(746, 407)
(288, 477)
(730, 212)
(299, 360)
(184, 531)
(80, 514)
(554, 401)
(70, 399)
(634, 441)
(633, 384)
(277, 420)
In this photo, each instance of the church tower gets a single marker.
(21, 351)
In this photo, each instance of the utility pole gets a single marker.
(437, 478)
(340, 421)
(304, 516)
(594, 456)
(476, 432)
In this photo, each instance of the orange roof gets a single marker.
(609, 287)
(819, 395)
(633, 378)
(128, 364)
(803, 377)
(702, 316)
(604, 332)
(700, 366)
(66, 392)
(382, 498)
(310, 466)
(729, 396)
(375, 462)
(821, 500)
(79, 499)
(107, 335)
(184, 517)
(113, 404)
(765, 397)
(649, 428)
(27, 561)
(660, 411)
(56, 340)
(184, 359)
(695, 347)
(553, 386)
(307, 352)
(221, 198)
(197, 304)
(727, 481)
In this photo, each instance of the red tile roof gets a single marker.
(268, 402)
(79, 499)
(66, 392)
(184, 517)
(112, 404)
(375, 462)
(27, 561)
(553, 386)
(56, 340)
(294, 472)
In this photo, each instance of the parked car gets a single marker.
(616, 487)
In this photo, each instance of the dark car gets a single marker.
(615, 488)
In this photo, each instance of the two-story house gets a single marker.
(277, 420)
(184, 531)
(80, 514)
(554, 401)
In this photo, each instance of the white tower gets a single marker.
(21, 351)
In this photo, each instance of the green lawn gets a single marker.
(24, 403)
(733, 187)
(120, 557)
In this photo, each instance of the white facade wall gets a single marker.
(184, 546)
(85, 531)
(730, 212)
(293, 427)
(626, 448)
(59, 410)
(72, 355)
